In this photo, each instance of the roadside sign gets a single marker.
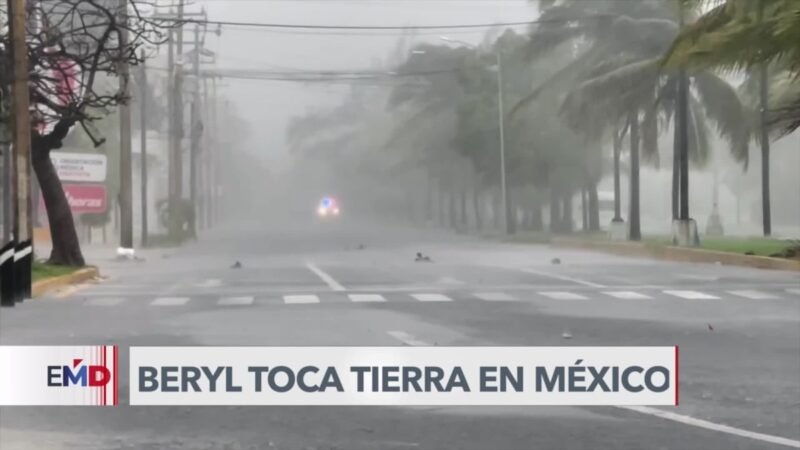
(80, 167)
(84, 198)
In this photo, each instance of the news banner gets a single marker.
(340, 376)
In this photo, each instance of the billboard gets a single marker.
(84, 198)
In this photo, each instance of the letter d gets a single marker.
(102, 379)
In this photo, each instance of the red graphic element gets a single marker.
(76, 361)
(677, 386)
(84, 198)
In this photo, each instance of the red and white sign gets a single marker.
(84, 198)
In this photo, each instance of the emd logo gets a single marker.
(78, 375)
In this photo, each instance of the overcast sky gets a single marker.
(270, 104)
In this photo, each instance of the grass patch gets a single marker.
(759, 246)
(42, 271)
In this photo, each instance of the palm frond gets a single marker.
(722, 107)
(697, 130)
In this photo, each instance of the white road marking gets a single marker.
(563, 278)
(556, 295)
(692, 295)
(793, 291)
(494, 296)
(432, 297)
(367, 298)
(449, 281)
(699, 423)
(333, 284)
(236, 301)
(754, 295)
(628, 295)
(212, 282)
(104, 301)
(170, 301)
(300, 299)
(407, 339)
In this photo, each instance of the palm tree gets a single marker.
(745, 35)
(617, 84)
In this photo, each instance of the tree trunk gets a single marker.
(555, 211)
(617, 190)
(566, 217)
(594, 207)
(429, 201)
(683, 115)
(452, 210)
(635, 220)
(536, 216)
(584, 211)
(463, 210)
(476, 207)
(66, 246)
(676, 165)
(766, 210)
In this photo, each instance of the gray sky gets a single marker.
(270, 104)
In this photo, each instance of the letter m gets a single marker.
(78, 378)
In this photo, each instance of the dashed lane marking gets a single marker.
(494, 296)
(558, 295)
(793, 291)
(300, 299)
(754, 295)
(563, 278)
(332, 283)
(628, 295)
(432, 297)
(236, 301)
(692, 295)
(366, 298)
(170, 301)
(104, 301)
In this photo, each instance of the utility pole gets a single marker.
(178, 99)
(125, 175)
(143, 143)
(23, 232)
(172, 151)
(195, 127)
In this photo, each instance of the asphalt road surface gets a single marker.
(738, 331)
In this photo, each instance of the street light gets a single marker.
(509, 225)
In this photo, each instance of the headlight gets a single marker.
(336, 212)
(322, 211)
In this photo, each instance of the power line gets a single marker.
(379, 27)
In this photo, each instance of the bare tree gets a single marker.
(72, 45)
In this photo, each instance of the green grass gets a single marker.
(745, 245)
(42, 271)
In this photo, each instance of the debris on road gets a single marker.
(556, 261)
(236, 265)
(710, 328)
(422, 258)
(566, 335)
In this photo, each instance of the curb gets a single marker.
(51, 284)
(681, 254)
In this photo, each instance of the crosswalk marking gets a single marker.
(432, 297)
(494, 296)
(628, 295)
(692, 295)
(108, 301)
(170, 301)
(754, 295)
(367, 298)
(236, 301)
(793, 291)
(300, 299)
(556, 295)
